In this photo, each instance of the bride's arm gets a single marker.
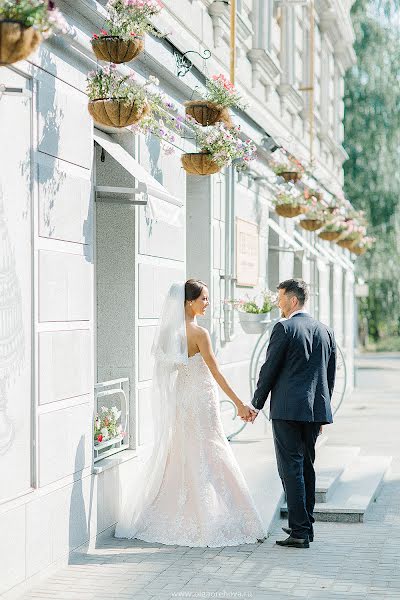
(204, 343)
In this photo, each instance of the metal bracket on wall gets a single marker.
(184, 65)
(284, 249)
(14, 91)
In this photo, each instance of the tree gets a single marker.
(372, 140)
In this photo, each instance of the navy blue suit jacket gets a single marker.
(299, 371)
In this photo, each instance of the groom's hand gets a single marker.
(254, 414)
(246, 413)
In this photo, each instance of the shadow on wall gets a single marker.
(12, 337)
(50, 178)
(154, 148)
(104, 498)
(78, 519)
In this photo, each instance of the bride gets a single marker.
(190, 490)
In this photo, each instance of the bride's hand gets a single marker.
(245, 412)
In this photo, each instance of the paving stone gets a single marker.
(359, 561)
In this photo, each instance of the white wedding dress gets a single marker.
(201, 496)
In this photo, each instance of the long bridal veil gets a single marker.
(169, 351)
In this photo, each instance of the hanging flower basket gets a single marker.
(116, 112)
(17, 41)
(253, 322)
(329, 236)
(208, 113)
(311, 224)
(289, 210)
(290, 176)
(199, 163)
(347, 243)
(359, 250)
(115, 49)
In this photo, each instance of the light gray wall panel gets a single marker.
(65, 441)
(157, 238)
(65, 287)
(12, 554)
(64, 201)
(153, 285)
(144, 419)
(65, 365)
(65, 126)
(146, 337)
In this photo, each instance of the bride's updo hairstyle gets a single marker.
(193, 289)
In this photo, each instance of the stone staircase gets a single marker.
(347, 483)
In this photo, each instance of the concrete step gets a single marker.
(357, 488)
(254, 451)
(330, 463)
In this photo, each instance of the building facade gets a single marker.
(83, 269)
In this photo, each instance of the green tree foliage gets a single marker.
(372, 140)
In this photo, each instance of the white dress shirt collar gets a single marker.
(298, 312)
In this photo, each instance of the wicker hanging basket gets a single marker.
(116, 112)
(359, 250)
(17, 42)
(114, 49)
(346, 243)
(331, 209)
(289, 210)
(199, 163)
(329, 236)
(208, 113)
(311, 224)
(290, 176)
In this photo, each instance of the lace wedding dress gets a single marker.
(202, 498)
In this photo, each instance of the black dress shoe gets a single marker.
(292, 542)
(289, 532)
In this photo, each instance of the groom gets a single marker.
(299, 371)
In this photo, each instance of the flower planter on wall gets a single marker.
(116, 112)
(199, 163)
(329, 236)
(117, 50)
(311, 224)
(208, 113)
(17, 42)
(289, 210)
(254, 323)
(103, 449)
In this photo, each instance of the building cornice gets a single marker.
(220, 17)
(264, 68)
(335, 22)
(290, 97)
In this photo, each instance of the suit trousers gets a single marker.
(295, 454)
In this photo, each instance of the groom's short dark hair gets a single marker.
(295, 287)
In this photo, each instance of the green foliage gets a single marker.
(41, 14)
(372, 140)
(258, 305)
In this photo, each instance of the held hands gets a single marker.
(246, 413)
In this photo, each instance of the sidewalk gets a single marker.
(346, 561)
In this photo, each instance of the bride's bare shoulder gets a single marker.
(202, 331)
(197, 331)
